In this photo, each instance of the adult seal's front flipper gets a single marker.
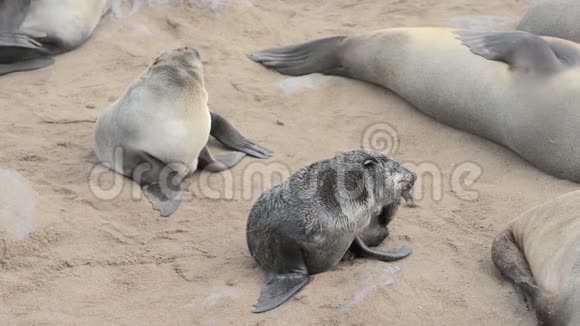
(522, 51)
(19, 52)
(360, 249)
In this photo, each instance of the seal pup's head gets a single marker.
(369, 175)
(358, 184)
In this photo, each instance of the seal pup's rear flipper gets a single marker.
(296, 60)
(206, 161)
(522, 51)
(280, 288)
(511, 262)
(359, 248)
(226, 134)
(160, 184)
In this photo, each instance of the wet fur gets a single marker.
(319, 211)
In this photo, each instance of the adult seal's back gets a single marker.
(32, 31)
(540, 253)
(558, 18)
(515, 88)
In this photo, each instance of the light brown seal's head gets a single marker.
(181, 66)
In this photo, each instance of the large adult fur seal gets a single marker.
(514, 88)
(540, 253)
(306, 224)
(558, 18)
(157, 132)
(32, 31)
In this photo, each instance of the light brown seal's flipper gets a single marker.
(226, 134)
(19, 52)
(160, 184)
(511, 262)
(522, 51)
(206, 161)
(302, 59)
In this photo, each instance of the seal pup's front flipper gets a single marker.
(296, 60)
(279, 288)
(289, 274)
(222, 162)
(19, 52)
(161, 185)
(522, 51)
(226, 134)
(360, 249)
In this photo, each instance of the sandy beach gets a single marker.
(69, 256)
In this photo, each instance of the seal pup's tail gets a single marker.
(295, 60)
(19, 52)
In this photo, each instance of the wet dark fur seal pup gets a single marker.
(306, 224)
(557, 18)
(514, 88)
(540, 253)
(157, 132)
(32, 31)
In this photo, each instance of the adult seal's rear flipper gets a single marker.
(226, 134)
(302, 59)
(280, 288)
(360, 249)
(522, 51)
(19, 52)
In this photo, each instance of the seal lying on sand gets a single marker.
(157, 132)
(514, 88)
(540, 253)
(32, 31)
(558, 18)
(306, 225)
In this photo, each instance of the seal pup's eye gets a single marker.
(370, 162)
(156, 61)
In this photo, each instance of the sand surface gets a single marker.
(70, 257)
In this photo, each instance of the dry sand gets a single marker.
(89, 261)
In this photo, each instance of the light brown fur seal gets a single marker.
(540, 253)
(514, 88)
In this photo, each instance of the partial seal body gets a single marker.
(514, 88)
(157, 132)
(306, 225)
(557, 18)
(32, 31)
(540, 253)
